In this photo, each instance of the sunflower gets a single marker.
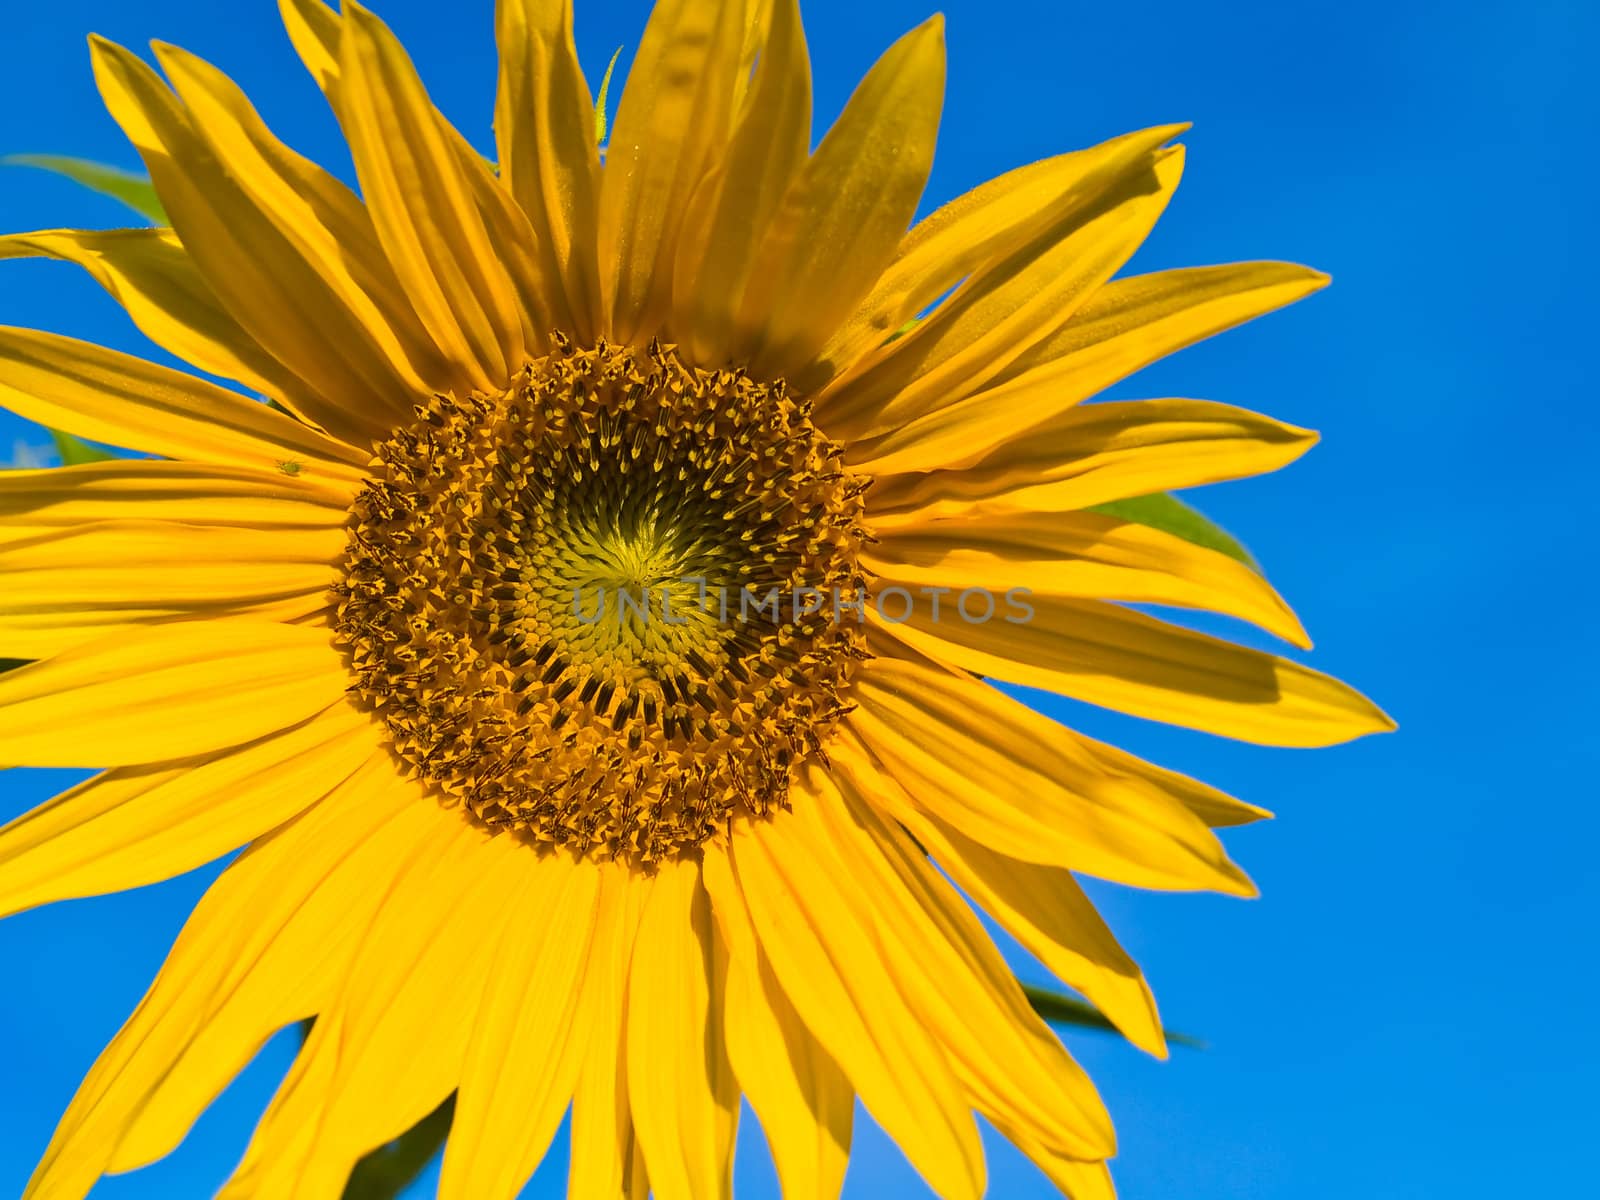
(452, 636)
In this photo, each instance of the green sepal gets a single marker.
(1065, 1010)
(390, 1170)
(131, 188)
(903, 330)
(600, 127)
(1171, 515)
(75, 452)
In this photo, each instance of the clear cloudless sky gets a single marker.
(1408, 1011)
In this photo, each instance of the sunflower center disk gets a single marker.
(603, 608)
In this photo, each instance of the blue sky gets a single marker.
(1408, 1010)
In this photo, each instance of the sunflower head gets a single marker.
(590, 644)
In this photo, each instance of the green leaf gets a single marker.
(1168, 513)
(75, 451)
(600, 101)
(389, 1170)
(1064, 1010)
(132, 189)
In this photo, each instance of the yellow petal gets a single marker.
(255, 270)
(1132, 322)
(1096, 453)
(1076, 1179)
(983, 226)
(680, 1087)
(317, 33)
(839, 223)
(423, 205)
(607, 1162)
(277, 1161)
(804, 1101)
(758, 27)
(328, 225)
(522, 1061)
(68, 586)
(535, 281)
(1004, 776)
(1216, 809)
(957, 984)
(1078, 554)
(544, 133)
(730, 213)
(672, 125)
(380, 1058)
(1125, 325)
(267, 945)
(138, 825)
(1003, 309)
(59, 498)
(151, 275)
(1041, 906)
(1136, 664)
(168, 691)
(816, 929)
(313, 27)
(108, 397)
